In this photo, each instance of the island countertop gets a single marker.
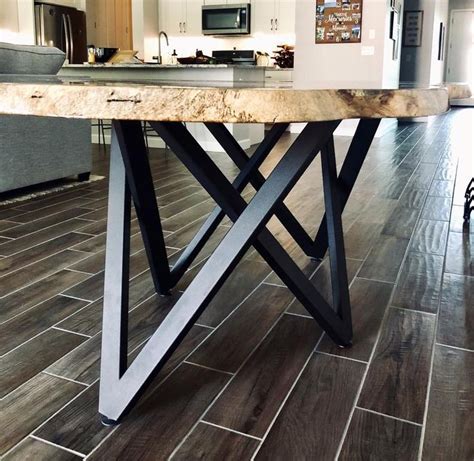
(191, 102)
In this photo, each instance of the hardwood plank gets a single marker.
(209, 442)
(372, 436)
(321, 279)
(31, 449)
(21, 364)
(155, 427)
(182, 205)
(27, 325)
(385, 259)
(43, 212)
(30, 405)
(369, 301)
(92, 288)
(419, 284)
(251, 400)
(312, 422)
(96, 262)
(401, 222)
(182, 219)
(84, 362)
(36, 203)
(460, 254)
(88, 321)
(20, 244)
(177, 194)
(78, 427)
(235, 339)
(34, 294)
(359, 239)
(27, 275)
(11, 263)
(441, 188)
(245, 278)
(413, 198)
(437, 208)
(456, 313)
(4, 225)
(430, 237)
(40, 224)
(450, 422)
(397, 380)
(7, 213)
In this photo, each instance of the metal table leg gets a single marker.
(121, 387)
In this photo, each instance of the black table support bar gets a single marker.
(350, 169)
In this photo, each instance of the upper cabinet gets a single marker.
(180, 17)
(183, 17)
(109, 23)
(274, 16)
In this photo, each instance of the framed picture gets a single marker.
(441, 39)
(338, 21)
(413, 28)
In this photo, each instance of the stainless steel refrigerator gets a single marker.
(64, 28)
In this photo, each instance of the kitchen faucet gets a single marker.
(159, 58)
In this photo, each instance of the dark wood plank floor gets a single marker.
(255, 378)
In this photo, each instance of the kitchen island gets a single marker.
(166, 107)
(210, 74)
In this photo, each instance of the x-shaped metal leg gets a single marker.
(355, 157)
(119, 387)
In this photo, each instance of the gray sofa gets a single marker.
(39, 149)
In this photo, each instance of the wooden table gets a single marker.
(166, 107)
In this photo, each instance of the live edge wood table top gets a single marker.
(165, 107)
(189, 102)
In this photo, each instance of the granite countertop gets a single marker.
(169, 66)
(208, 102)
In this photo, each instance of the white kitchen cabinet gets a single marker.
(274, 16)
(180, 17)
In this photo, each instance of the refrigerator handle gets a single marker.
(66, 33)
(71, 39)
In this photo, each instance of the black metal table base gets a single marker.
(131, 179)
(469, 196)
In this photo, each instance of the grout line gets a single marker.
(75, 297)
(388, 416)
(412, 310)
(455, 347)
(66, 379)
(298, 315)
(204, 326)
(372, 279)
(230, 430)
(72, 332)
(47, 419)
(47, 442)
(207, 368)
(290, 391)
(78, 271)
(340, 357)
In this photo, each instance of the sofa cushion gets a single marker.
(30, 59)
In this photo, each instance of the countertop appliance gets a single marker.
(231, 19)
(64, 28)
(237, 57)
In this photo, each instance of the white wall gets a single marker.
(420, 64)
(145, 28)
(345, 65)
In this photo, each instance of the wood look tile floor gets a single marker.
(255, 378)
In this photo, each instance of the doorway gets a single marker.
(461, 47)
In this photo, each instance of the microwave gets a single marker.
(231, 19)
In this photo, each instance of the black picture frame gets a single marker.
(407, 30)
